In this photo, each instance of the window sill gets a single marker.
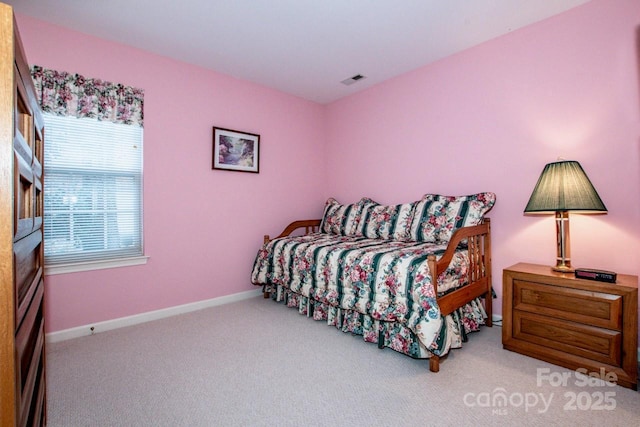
(94, 265)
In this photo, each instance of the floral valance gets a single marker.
(66, 94)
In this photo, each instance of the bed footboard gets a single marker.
(478, 240)
(309, 225)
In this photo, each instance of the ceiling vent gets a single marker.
(352, 80)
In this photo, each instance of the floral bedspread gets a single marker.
(380, 289)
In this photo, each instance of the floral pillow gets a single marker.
(343, 220)
(437, 217)
(366, 205)
(387, 221)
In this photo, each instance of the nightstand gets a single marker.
(571, 322)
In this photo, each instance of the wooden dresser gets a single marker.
(571, 322)
(22, 355)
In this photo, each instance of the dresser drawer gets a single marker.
(29, 343)
(577, 305)
(27, 258)
(602, 345)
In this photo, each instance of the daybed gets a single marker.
(411, 277)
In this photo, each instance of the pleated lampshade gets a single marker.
(563, 186)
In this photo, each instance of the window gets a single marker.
(93, 190)
(92, 171)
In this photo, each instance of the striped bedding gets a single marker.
(378, 288)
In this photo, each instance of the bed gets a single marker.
(414, 277)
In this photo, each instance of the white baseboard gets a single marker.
(107, 325)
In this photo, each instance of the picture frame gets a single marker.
(236, 150)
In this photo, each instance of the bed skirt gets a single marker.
(393, 335)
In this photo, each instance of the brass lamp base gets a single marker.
(563, 259)
(563, 268)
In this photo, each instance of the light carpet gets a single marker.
(258, 363)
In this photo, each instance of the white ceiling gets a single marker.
(301, 47)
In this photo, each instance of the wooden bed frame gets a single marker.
(478, 239)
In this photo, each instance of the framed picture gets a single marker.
(235, 151)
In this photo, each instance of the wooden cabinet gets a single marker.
(22, 355)
(572, 322)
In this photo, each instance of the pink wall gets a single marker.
(202, 227)
(487, 119)
(490, 118)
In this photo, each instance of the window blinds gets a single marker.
(93, 190)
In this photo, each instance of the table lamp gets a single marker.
(562, 187)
